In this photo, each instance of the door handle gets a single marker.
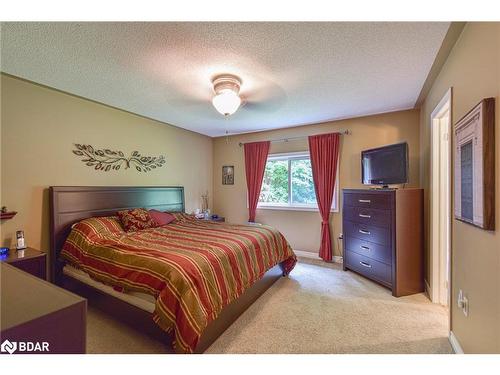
(363, 231)
(365, 216)
(364, 200)
(365, 248)
(365, 264)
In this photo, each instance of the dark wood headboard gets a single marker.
(70, 204)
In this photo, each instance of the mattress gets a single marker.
(143, 301)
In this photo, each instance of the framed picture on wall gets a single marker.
(474, 163)
(228, 175)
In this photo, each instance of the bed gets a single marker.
(192, 278)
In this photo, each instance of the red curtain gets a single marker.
(324, 150)
(255, 164)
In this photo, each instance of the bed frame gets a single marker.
(70, 204)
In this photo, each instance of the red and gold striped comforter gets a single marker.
(193, 268)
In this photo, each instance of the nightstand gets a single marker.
(29, 260)
(219, 219)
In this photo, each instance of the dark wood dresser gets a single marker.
(383, 237)
(36, 311)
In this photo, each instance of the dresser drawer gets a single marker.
(370, 216)
(369, 233)
(368, 200)
(368, 267)
(369, 249)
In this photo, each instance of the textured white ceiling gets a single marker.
(293, 73)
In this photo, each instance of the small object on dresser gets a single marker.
(204, 202)
(198, 214)
(4, 252)
(217, 218)
(20, 241)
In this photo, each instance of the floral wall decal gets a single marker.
(107, 160)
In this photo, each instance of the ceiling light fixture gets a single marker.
(227, 88)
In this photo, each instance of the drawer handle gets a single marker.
(365, 248)
(365, 264)
(366, 216)
(363, 231)
(364, 200)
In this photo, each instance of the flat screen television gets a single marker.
(385, 165)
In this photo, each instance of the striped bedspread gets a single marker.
(193, 268)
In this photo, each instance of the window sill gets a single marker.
(291, 208)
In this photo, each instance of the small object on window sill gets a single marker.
(7, 215)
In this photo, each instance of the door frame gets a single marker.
(440, 263)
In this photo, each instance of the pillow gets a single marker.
(99, 226)
(161, 218)
(136, 219)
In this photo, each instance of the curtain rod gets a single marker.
(344, 132)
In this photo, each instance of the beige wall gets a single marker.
(473, 70)
(39, 127)
(302, 228)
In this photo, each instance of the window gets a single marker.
(288, 183)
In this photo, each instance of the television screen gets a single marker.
(385, 165)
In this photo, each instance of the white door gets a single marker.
(445, 209)
(440, 201)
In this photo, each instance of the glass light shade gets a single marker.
(226, 102)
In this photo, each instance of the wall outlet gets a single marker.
(465, 309)
(463, 302)
(341, 236)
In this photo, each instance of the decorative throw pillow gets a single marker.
(136, 219)
(104, 225)
(161, 218)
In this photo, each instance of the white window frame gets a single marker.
(298, 207)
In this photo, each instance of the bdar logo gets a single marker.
(8, 346)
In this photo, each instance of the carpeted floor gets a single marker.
(317, 309)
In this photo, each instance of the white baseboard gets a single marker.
(337, 259)
(306, 254)
(455, 344)
(310, 255)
